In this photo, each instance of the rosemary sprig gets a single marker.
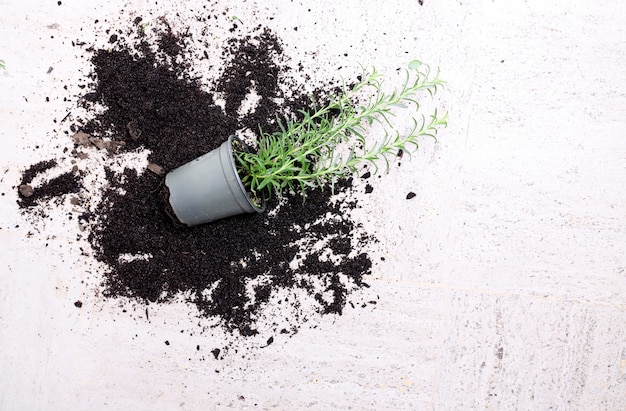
(329, 142)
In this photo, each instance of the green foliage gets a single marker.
(329, 142)
(2, 65)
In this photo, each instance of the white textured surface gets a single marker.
(504, 283)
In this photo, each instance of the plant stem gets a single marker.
(305, 152)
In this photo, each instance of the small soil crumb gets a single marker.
(410, 195)
(82, 139)
(26, 190)
(78, 304)
(133, 129)
(156, 169)
(111, 145)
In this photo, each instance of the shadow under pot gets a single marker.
(208, 188)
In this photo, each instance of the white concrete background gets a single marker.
(504, 283)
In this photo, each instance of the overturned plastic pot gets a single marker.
(208, 188)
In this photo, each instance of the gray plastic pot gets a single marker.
(208, 188)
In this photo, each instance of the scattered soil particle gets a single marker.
(110, 145)
(410, 195)
(26, 190)
(133, 129)
(156, 169)
(78, 304)
(81, 139)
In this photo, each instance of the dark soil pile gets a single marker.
(234, 268)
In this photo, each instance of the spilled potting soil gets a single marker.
(143, 97)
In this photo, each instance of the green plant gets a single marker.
(2, 65)
(329, 142)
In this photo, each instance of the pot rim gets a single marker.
(231, 139)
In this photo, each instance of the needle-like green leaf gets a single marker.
(305, 153)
